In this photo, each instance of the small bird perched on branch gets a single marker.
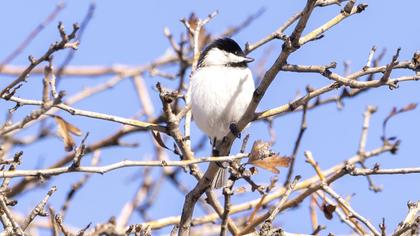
(222, 88)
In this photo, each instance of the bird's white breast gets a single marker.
(220, 96)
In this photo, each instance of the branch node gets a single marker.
(361, 7)
(32, 59)
(348, 7)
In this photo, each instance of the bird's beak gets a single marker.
(248, 59)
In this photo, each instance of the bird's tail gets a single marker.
(220, 180)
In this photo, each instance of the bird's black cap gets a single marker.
(228, 45)
(225, 44)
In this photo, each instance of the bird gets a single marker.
(221, 90)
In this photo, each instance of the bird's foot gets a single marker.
(235, 130)
(215, 152)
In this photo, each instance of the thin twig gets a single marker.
(34, 115)
(343, 15)
(272, 213)
(303, 126)
(350, 222)
(38, 210)
(411, 223)
(63, 229)
(365, 128)
(354, 214)
(390, 66)
(376, 171)
(370, 58)
(311, 184)
(117, 165)
(60, 6)
(350, 80)
(79, 112)
(78, 185)
(64, 43)
(83, 26)
(227, 192)
(16, 229)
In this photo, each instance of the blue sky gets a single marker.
(131, 32)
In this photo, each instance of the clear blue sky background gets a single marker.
(131, 32)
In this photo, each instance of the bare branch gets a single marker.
(82, 29)
(32, 35)
(65, 40)
(343, 15)
(303, 126)
(38, 210)
(167, 137)
(390, 66)
(411, 223)
(377, 171)
(34, 115)
(272, 213)
(117, 165)
(8, 221)
(79, 112)
(311, 184)
(354, 214)
(369, 61)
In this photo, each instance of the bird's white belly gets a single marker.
(220, 96)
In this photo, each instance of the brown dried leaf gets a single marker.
(263, 157)
(260, 150)
(409, 107)
(241, 189)
(328, 210)
(395, 111)
(64, 130)
(73, 129)
(193, 20)
(203, 37)
(272, 162)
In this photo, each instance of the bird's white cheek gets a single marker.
(216, 57)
